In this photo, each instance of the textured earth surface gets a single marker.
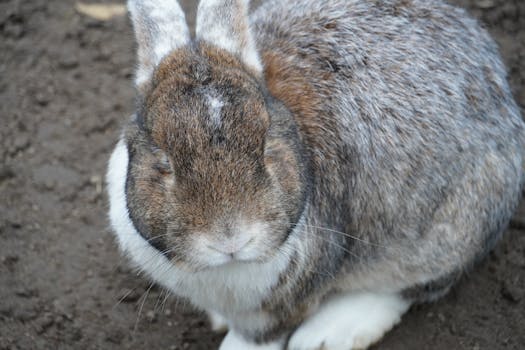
(65, 87)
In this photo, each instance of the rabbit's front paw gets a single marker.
(234, 341)
(347, 322)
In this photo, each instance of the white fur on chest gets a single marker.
(230, 289)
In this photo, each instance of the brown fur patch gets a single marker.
(294, 87)
(290, 85)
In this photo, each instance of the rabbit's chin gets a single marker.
(182, 279)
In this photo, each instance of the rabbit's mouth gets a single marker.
(249, 243)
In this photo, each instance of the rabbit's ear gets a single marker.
(160, 27)
(225, 23)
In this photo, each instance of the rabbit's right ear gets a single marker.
(160, 27)
(225, 23)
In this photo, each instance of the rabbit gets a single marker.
(308, 171)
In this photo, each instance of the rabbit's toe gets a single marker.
(347, 322)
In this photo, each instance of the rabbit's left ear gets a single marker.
(225, 24)
(160, 27)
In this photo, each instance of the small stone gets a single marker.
(14, 30)
(20, 143)
(44, 322)
(42, 98)
(453, 329)
(59, 319)
(6, 310)
(22, 127)
(49, 184)
(27, 293)
(126, 73)
(10, 260)
(117, 107)
(151, 316)
(96, 180)
(510, 25)
(492, 268)
(115, 336)
(25, 315)
(86, 219)
(15, 224)
(485, 4)
(511, 292)
(6, 173)
(103, 54)
(68, 62)
(74, 335)
(124, 269)
(510, 9)
(94, 23)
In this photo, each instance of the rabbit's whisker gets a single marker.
(145, 296)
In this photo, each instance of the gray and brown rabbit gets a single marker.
(306, 173)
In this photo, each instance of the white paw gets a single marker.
(217, 322)
(234, 341)
(348, 322)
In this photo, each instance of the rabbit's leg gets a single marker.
(217, 322)
(234, 341)
(350, 321)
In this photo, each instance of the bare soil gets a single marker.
(65, 88)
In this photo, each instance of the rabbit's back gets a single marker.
(403, 63)
(406, 112)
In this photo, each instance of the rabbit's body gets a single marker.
(416, 142)
(397, 150)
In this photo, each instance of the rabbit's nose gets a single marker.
(230, 246)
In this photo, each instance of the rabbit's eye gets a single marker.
(162, 164)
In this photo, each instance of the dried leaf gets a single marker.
(101, 12)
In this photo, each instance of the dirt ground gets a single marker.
(65, 87)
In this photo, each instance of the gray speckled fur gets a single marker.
(423, 158)
(413, 140)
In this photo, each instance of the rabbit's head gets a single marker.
(216, 172)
